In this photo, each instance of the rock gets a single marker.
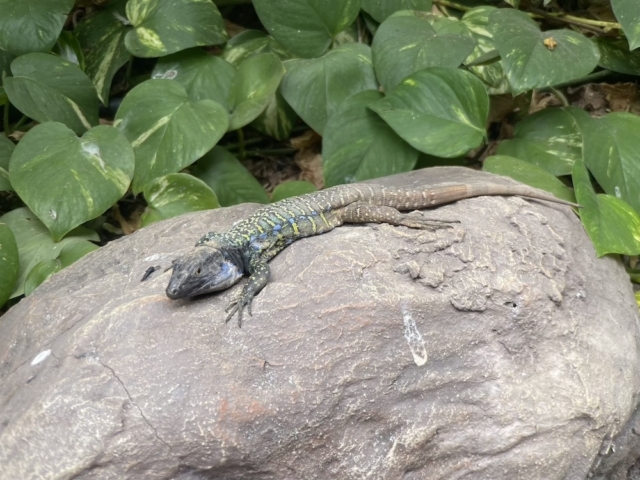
(499, 349)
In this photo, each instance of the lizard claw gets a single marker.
(237, 306)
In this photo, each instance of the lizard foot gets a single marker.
(238, 306)
(418, 221)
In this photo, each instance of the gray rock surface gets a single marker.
(499, 349)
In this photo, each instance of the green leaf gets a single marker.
(9, 263)
(39, 274)
(628, 14)
(6, 150)
(316, 88)
(31, 25)
(93, 172)
(228, 178)
(527, 173)
(35, 243)
(50, 89)
(249, 43)
(277, 119)
(167, 130)
(256, 80)
(5, 182)
(306, 27)
(380, 10)
(175, 194)
(203, 76)
(101, 35)
(439, 111)
(162, 27)
(612, 155)
(611, 223)
(292, 188)
(72, 252)
(615, 56)
(405, 44)
(549, 139)
(5, 64)
(358, 145)
(535, 59)
(477, 21)
(68, 48)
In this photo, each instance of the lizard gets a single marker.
(219, 260)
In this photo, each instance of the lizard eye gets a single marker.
(199, 271)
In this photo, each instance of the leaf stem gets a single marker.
(20, 122)
(591, 25)
(241, 152)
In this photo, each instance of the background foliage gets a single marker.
(120, 113)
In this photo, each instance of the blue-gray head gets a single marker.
(207, 268)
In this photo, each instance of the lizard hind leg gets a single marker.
(361, 212)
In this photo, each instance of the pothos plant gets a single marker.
(390, 85)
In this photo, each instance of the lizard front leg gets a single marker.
(258, 279)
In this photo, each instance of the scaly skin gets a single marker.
(219, 260)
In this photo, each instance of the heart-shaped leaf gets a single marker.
(9, 263)
(439, 111)
(5, 64)
(480, 62)
(228, 178)
(170, 134)
(610, 222)
(292, 188)
(380, 10)
(72, 252)
(39, 273)
(93, 172)
(405, 44)
(550, 139)
(6, 149)
(306, 27)
(31, 25)
(50, 89)
(615, 56)
(68, 48)
(203, 76)
(5, 183)
(101, 36)
(175, 194)
(251, 42)
(35, 243)
(527, 173)
(612, 155)
(358, 145)
(162, 27)
(256, 80)
(628, 14)
(316, 88)
(535, 59)
(277, 119)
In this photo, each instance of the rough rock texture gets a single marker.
(499, 349)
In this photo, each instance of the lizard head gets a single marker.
(205, 269)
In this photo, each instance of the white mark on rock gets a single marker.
(414, 339)
(40, 357)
